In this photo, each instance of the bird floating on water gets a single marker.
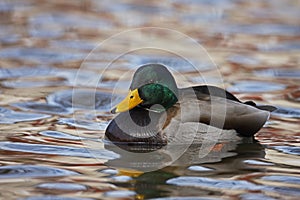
(156, 112)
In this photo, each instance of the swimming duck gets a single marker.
(156, 112)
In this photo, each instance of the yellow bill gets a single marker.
(131, 100)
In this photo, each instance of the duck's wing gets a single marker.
(222, 113)
(203, 92)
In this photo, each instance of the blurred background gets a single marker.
(46, 154)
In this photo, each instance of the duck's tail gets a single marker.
(261, 107)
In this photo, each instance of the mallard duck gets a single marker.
(156, 112)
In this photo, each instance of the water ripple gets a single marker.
(77, 44)
(283, 179)
(288, 149)
(24, 171)
(283, 46)
(58, 150)
(37, 82)
(89, 125)
(10, 116)
(199, 168)
(26, 71)
(286, 112)
(243, 60)
(175, 63)
(59, 135)
(62, 186)
(65, 20)
(63, 77)
(214, 183)
(187, 198)
(255, 86)
(109, 171)
(279, 73)
(260, 29)
(251, 196)
(119, 194)
(51, 197)
(40, 55)
(82, 99)
(257, 162)
(229, 184)
(42, 107)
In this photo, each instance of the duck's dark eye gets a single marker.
(131, 96)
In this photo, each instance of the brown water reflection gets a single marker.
(48, 147)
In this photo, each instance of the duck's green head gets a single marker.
(152, 84)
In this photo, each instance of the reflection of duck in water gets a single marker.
(152, 184)
(233, 154)
(157, 112)
(149, 158)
